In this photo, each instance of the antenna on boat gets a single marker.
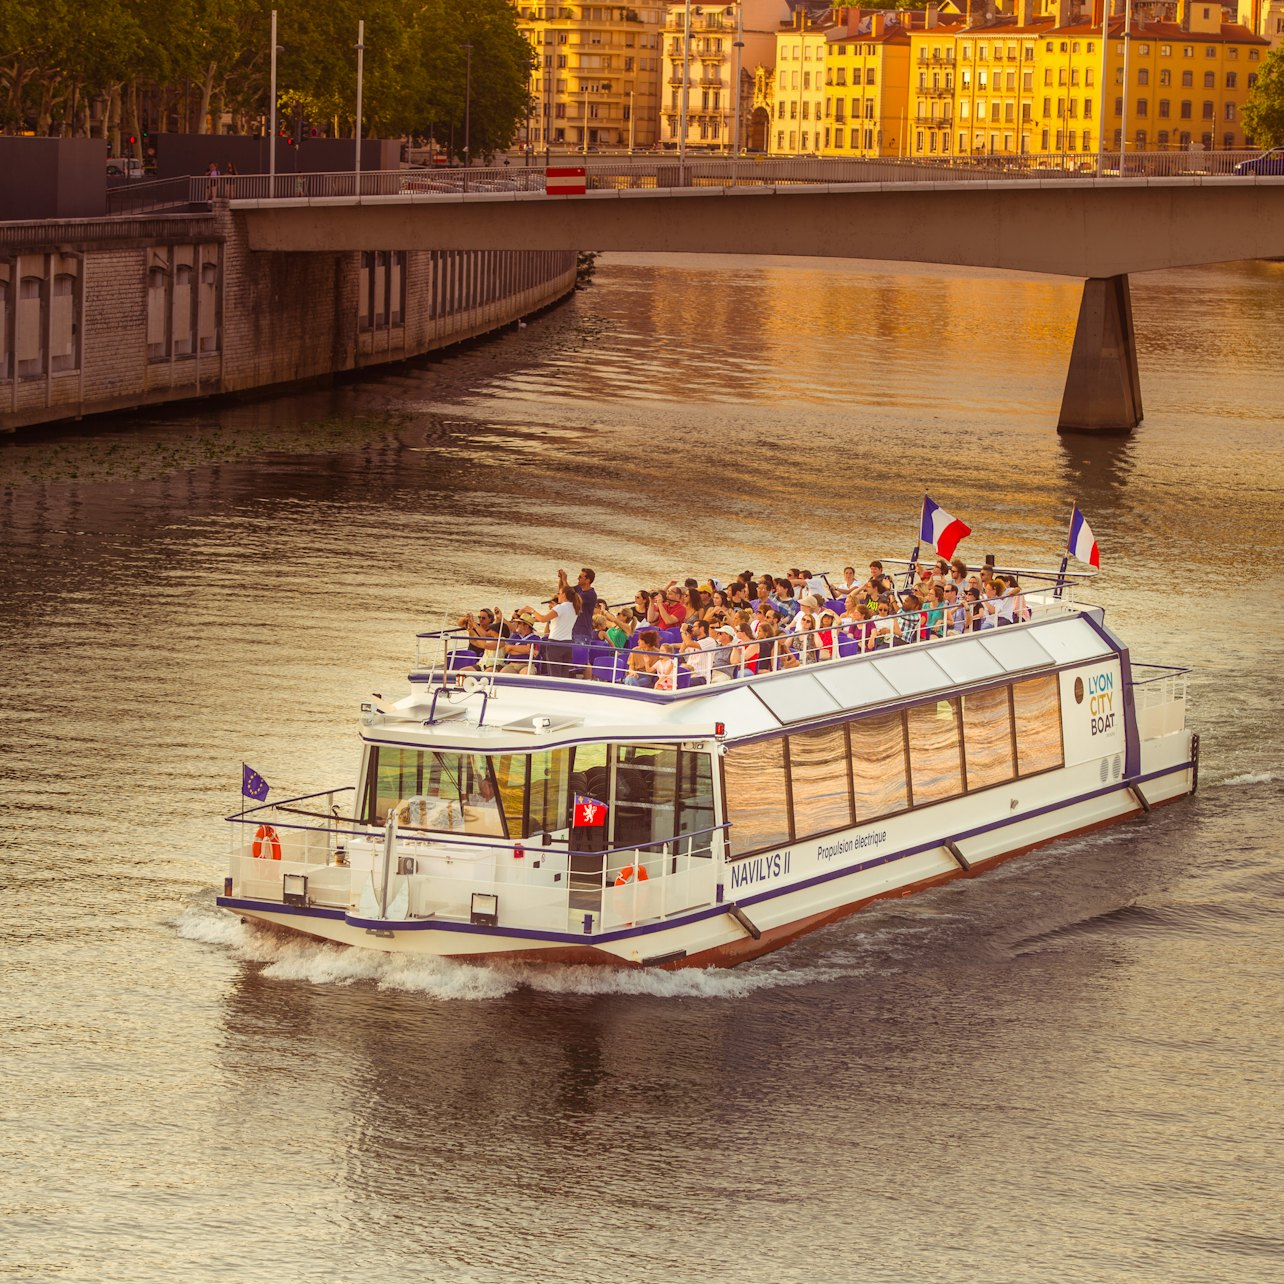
(918, 536)
(1065, 556)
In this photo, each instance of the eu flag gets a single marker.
(252, 784)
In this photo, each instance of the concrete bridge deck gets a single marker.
(1098, 229)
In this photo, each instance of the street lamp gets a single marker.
(468, 101)
(361, 54)
(686, 85)
(272, 115)
(738, 46)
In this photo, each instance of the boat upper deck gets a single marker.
(488, 711)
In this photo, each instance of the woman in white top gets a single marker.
(555, 653)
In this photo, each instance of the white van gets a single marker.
(124, 167)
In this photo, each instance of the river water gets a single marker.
(1066, 1069)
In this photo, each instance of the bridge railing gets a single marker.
(666, 171)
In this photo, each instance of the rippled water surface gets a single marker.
(1067, 1069)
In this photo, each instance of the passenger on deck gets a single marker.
(519, 647)
(783, 599)
(958, 575)
(848, 583)
(745, 654)
(642, 660)
(935, 605)
(484, 636)
(698, 651)
(1020, 607)
(910, 620)
(666, 668)
(724, 666)
(555, 655)
(618, 625)
(582, 629)
(667, 608)
(884, 624)
(955, 615)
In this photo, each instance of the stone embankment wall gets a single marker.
(109, 314)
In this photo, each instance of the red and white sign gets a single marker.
(564, 180)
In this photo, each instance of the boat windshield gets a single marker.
(651, 792)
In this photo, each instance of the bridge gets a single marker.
(1173, 210)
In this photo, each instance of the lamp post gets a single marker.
(1123, 119)
(739, 45)
(1101, 94)
(686, 86)
(272, 115)
(468, 101)
(630, 122)
(361, 54)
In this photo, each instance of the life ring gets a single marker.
(266, 843)
(627, 874)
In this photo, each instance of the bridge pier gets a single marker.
(1103, 390)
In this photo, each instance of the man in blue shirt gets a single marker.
(582, 631)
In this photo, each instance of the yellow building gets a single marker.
(596, 84)
(933, 68)
(798, 107)
(997, 105)
(866, 81)
(1186, 82)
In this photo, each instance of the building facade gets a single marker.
(728, 45)
(596, 83)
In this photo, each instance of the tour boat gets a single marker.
(573, 819)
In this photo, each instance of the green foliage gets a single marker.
(116, 52)
(1263, 113)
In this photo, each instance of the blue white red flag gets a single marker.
(589, 812)
(252, 784)
(942, 530)
(1081, 542)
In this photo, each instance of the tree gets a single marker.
(1263, 113)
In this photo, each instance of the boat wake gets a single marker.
(1251, 778)
(318, 963)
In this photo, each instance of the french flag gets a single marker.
(942, 530)
(1081, 542)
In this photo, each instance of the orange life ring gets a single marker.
(626, 875)
(266, 843)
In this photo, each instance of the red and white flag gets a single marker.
(589, 813)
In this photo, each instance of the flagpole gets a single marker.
(1065, 557)
(913, 558)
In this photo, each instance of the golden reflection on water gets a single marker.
(1086, 1037)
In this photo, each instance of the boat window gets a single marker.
(878, 765)
(550, 791)
(757, 796)
(936, 757)
(987, 738)
(661, 793)
(441, 791)
(510, 780)
(1036, 706)
(820, 789)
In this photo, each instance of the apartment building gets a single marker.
(596, 84)
(724, 46)
(866, 76)
(933, 68)
(798, 104)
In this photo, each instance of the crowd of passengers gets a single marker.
(695, 633)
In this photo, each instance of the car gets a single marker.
(1271, 162)
(124, 167)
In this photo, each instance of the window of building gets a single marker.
(1143, 107)
(1185, 109)
(1210, 79)
(1164, 109)
(1187, 80)
(1143, 75)
(1230, 111)
(1230, 80)
(1209, 110)
(1165, 76)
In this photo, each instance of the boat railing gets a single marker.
(453, 655)
(542, 881)
(1159, 695)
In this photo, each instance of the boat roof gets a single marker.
(502, 713)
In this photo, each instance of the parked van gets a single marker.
(124, 167)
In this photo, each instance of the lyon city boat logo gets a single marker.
(1101, 700)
